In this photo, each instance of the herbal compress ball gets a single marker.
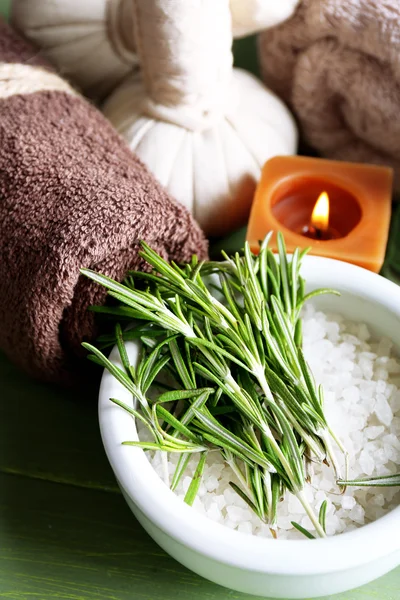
(203, 128)
(90, 41)
(72, 195)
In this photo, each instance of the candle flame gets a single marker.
(320, 214)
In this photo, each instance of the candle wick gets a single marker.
(318, 233)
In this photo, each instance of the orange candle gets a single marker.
(339, 210)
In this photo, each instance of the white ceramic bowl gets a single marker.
(282, 568)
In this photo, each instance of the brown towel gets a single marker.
(337, 63)
(71, 195)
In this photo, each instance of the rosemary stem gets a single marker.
(312, 445)
(331, 454)
(312, 516)
(164, 460)
(342, 448)
(289, 471)
(260, 375)
(268, 495)
(232, 463)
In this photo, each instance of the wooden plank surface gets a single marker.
(64, 542)
(50, 433)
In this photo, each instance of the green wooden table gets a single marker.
(65, 530)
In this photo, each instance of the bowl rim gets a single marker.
(166, 511)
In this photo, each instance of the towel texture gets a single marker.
(337, 63)
(71, 195)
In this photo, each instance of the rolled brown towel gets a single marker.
(71, 195)
(336, 63)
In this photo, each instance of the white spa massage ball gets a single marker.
(203, 128)
(90, 41)
(211, 168)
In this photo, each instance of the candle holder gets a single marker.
(360, 199)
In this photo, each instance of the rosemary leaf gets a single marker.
(179, 470)
(384, 481)
(175, 423)
(308, 535)
(189, 448)
(244, 497)
(322, 514)
(196, 480)
(183, 394)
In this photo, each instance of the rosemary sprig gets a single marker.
(383, 481)
(229, 336)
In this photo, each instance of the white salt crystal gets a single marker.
(208, 501)
(395, 401)
(314, 330)
(247, 514)
(382, 374)
(384, 347)
(214, 512)
(393, 366)
(199, 506)
(381, 386)
(220, 501)
(295, 506)
(366, 368)
(307, 523)
(202, 490)
(378, 500)
(366, 463)
(383, 410)
(309, 493)
(211, 483)
(384, 470)
(391, 453)
(393, 440)
(186, 483)
(358, 440)
(230, 524)
(332, 525)
(235, 513)
(369, 356)
(357, 514)
(395, 426)
(351, 394)
(320, 497)
(245, 527)
(285, 522)
(326, 485)
(332, 331)
(357, 372)
(373, 432)
(348, 502)
(367, 389)
(230, 495)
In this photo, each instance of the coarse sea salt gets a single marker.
(361, 379)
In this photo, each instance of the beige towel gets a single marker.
(337, 64)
